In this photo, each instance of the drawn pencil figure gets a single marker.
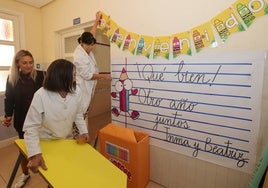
(124, 87)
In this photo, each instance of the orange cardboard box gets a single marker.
(129, 151)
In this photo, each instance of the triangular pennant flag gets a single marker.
(144, 46)
(226, 23)
(203, 37)
(104, 23)
(181, 44)
(161, 47)
(111, 27)
(131, 41)
(118, 36)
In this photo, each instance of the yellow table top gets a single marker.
(71, 165)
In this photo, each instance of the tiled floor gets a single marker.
(9, 154)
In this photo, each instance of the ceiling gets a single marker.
(35, 3)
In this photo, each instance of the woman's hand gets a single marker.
(83, 138)
(6, 121)
(107, 76)
(98, 15)
(36, 161)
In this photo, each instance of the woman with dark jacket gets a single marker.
(23, 81)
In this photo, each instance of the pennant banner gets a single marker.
(226, 23)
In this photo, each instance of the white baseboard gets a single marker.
(6, 142)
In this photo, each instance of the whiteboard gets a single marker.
(206, 106)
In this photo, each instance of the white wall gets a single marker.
(154, 18)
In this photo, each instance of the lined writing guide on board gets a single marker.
(206, 106)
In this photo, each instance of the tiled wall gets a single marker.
(174, 170)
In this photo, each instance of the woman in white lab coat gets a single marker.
(54, 108)
(86, 65)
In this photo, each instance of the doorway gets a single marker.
(99, 113)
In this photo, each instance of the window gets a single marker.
(9, 44)
(69, 43)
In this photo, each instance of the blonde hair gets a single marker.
(14, 75)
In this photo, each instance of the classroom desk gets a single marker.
(72, 165)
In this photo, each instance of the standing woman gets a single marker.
(23, 81)
(86, 65)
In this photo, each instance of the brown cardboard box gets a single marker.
(129, 151)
